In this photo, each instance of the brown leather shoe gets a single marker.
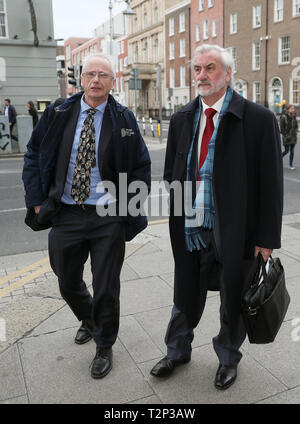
(225, 377)
(102, 363)
(166, 366)
(84, 333)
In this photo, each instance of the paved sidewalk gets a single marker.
(41, 364)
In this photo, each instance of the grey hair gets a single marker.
(226, 56)
(106, 57)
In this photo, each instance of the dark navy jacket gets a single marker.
(125, 152)
(12, 114)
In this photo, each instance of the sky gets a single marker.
(78, 18)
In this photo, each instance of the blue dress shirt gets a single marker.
(95, 174)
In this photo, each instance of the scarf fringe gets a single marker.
(194, 242)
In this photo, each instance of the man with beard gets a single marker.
(226, 150)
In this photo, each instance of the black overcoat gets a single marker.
(248, 192)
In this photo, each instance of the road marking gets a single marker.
(23, 281)
(19, 272)
(12, 210)
(11, 171)
(294, 180)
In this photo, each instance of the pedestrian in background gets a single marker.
(33, 112)
(88, 139)
(11, 113)
(289, 130)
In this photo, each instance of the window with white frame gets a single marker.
(257, 16)
(182, 22)
(284, 50)
(2, 69)
(256, 56)
(156, 50)
(172, 77)
(214, 28)
(257, 92)
(210, 3)
(201, 5)
(182, 76)
(233, 52)
(295, 97)
(182, 47)
(3, 20)
(296, 8)
(233, 23)
(205, 29)
(197, 33)
(172, 50)
(278, 10)
(122, 47)
(155, 14)
(171, 26)
(121, 65)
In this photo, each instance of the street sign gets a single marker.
(138, 84)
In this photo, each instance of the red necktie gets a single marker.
(208, 132)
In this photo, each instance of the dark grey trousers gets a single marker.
(76, 234)
(179, 335)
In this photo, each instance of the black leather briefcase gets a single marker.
(264, 303)
(31, 219)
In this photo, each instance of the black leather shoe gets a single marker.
(225, 377)
(84, 333)
(102, 363)
(166, 366)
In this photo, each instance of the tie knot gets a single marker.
(92, 111)
(210, 113)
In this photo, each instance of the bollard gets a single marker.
(144, 125)
(158, 130)
(152, 129)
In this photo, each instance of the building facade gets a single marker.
(122, 62)
(178, 53)
(70, 45)
(27, 54)
(263, 36)
(146, 53)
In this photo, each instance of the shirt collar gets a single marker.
(84, 107)
(217, 106)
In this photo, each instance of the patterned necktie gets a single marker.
(85, 160)
(208, 132)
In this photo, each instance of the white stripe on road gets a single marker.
(13, 210)
(294, 180)
(11, 171)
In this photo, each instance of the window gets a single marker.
(256, 16)
(201, 5)
(197, 33)
(233, 23)
(296, 92)
(155, 15)
(205, 30)
(145, 52)
(257, 92)
(214, 28)
(122, 47)
(284, 50)
(172, 50)
(172, 77)
(210, 3)
(182, 22)
(145, 19)
(2, 69)
(3, 20)
(296, 8)
(182, 47)
(136, 24)
(233, 52)
(136, 59)
(256, 56)
(156, 50)
(171, 26)
(182, 76)
(278, 10)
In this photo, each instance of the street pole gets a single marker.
(158, 80)
(135, 93)
(110, 6)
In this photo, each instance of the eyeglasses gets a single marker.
(101, 75)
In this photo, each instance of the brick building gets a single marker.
(263, 36)
(122, 62)
(178, 53)
(70, 44)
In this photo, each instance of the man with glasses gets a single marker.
(87, 140)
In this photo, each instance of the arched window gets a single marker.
(2, 69)
(155, 14)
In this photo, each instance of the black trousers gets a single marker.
(180, 334)
(75, 234)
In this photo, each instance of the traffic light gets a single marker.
(71, 74)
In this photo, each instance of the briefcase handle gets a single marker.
(262, 265)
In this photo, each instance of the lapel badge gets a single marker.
(126, 132)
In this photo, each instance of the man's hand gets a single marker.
(37, 209)
(266, 253)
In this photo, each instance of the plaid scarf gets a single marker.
(201, 213)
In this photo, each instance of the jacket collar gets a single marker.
(236, 106)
